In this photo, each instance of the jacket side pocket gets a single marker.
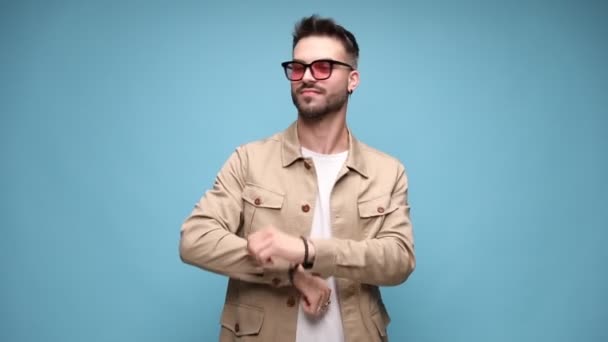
(242, 320)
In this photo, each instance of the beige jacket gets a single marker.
(270, 182)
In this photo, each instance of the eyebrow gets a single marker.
(302, 61)
(317, 59)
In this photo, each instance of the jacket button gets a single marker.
(237, 328)
(291, 301)
(380, 210)
(276, 281)
(257, 201)
(307, 165)
(305, 208)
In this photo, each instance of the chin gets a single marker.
(311, 114)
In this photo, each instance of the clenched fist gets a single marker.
(271, 243)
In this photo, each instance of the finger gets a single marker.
(306, 305)
(325, 292)
(309, 311)
(306, 301)
(260, 247)
(250, 246)
(253, 242)
(319, 311)
(324, 304)
(266, 246)
(265, 256)
(318, 303)
(310, 301)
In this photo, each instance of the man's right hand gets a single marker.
(314, 290)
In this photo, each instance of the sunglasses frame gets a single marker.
(286, 65)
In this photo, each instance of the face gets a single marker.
(314, 98)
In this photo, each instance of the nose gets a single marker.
(308, 75)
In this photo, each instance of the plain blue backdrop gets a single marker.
(117, 115)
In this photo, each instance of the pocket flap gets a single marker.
(376, 207)
(261, 197)
(242, 319)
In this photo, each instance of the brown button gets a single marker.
(257, 201)
(291, 301)
(305, 208)
(307, 165)
(380, 210)
(237, 328)
(276, 281)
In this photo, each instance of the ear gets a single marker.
(353, 81)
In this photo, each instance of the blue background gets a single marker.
(116, 117)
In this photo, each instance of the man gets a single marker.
(309, 222)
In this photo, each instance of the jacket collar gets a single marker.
(291, 150)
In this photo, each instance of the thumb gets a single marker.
(306, 301)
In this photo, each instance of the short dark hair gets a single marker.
(318, 26)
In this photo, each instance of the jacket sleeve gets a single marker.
(209, 235)
(386, 259)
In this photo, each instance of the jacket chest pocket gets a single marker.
(372, 213)
(261, 208)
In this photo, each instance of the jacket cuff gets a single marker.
(325, 258)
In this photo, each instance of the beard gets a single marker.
(309, 109)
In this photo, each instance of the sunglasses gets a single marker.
(320, 69)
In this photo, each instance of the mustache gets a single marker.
(310, 87)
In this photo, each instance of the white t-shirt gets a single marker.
(328, 327)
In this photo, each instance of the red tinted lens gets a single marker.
(296, 70)
(321, 69)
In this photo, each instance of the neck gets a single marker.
(327, 135)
